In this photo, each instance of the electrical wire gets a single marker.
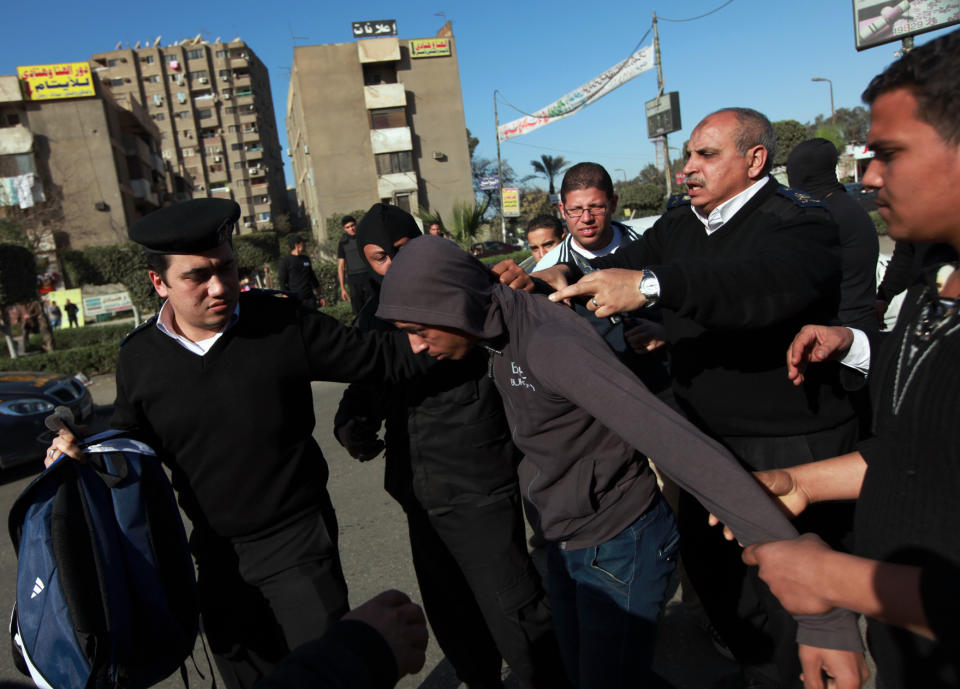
(700, 16)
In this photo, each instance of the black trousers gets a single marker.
(482, 594)
(361, 291)
(759, 632)
(262, 598)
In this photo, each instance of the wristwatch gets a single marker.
(649, 287)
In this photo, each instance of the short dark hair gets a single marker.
(930, 74)
(586, 176)
(753, 129)
(346, 220)
(158, 263)
(293, 240)
(548, 222)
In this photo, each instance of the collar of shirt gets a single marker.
(610, 248)
(722, 214)
(165, 325)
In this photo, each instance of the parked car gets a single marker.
(493, 248)
(865, 195)
(26, 399)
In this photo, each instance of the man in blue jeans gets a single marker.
(586, 424)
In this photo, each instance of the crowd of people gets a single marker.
(730, 345)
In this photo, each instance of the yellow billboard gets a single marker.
(47, 82)
(429, 47)
(511, 202)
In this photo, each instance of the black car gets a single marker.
(493, 248)
(26, 399)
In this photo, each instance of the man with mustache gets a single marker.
(738, 265)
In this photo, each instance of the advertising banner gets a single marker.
(48, 82)
(593, 90)
(374, 28)
(430, 47)
(511, 202)
(876, 22)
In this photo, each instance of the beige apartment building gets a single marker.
(77, 171)
(377, 119)
(211, 103)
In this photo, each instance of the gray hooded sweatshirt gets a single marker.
(584, 422)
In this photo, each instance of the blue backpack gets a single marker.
(106, 587)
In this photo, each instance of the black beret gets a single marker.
(188, 227)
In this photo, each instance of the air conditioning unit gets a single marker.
(202, 80)
(224, 77)
(227, 96)
(306, 149)
(247, 223)
(216, 159)
(438, 155)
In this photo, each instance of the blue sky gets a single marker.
(756, 53)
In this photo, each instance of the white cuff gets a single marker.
(858, 356)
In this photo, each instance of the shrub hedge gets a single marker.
(90, 359)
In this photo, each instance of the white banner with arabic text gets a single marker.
(596, 88)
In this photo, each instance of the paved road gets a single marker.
(376, 555)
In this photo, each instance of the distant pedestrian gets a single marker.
(356, 285)
(55, 315)
(436, 229)
(297, 276)
(71, 310)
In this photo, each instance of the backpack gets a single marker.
(106, 587)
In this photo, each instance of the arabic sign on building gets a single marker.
(46, 82)
(489, 183)
(511, 202)
(106, 303)
(882, 21)
(375, 28)
(429, 47)
(593, 90)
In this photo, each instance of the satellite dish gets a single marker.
(137, 46)
(196, 39)
(235, 39)
(118, 46)
(157, 41)
(218, 40)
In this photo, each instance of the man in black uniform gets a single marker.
(297, 276)
(355, 284)
(738, 266)
(219, 384)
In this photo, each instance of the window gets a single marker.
(238, 165)
(188, 153)
(182, 96)
(261, 199)
(385, 118)
(224, 74)
(182, 114)
(231, 110)
(195, 54)
(159, 116)
(221, 53)
(232, 128)
(399, 161)
(147, 59)
(264, 217)
(113, 63)
(403, 202)
(209, 150)
(236, 147)
(11, 119)
(379, 73)
(205, 113)
(115, 82)
(158, 99)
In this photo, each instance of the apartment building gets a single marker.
(212, 105)
(78, 170)
(377, 119)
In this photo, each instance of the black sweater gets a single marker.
(732, 303)
(235, 424)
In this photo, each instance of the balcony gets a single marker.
(396, 182)
(384, 96)
(389, 140)
(143, 190)
(386, 49)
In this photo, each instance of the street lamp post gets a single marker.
(833, 114)
(620, 169)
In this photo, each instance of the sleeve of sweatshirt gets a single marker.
(608, 391)
(352, 655)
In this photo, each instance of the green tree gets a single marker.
(549, 166)
(466, 220)
(533, 202)
(853, 123)
(472, 143)
(831, 133)
(789, 133)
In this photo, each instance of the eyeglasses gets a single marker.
(595, 211)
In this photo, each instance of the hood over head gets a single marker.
(435, 282)
(381, 226)
(812, 167)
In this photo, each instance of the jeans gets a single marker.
(607, 601)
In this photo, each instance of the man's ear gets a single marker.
(757, 159)
(613, 204)
(158, 284)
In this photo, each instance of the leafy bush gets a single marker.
(329, 285)
(68, 338)
(517, 256)
(339, 309)
(255, 250)
(878, 222)
(103, 265)
(18, 276)
(91, 360)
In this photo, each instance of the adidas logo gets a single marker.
(37, 588)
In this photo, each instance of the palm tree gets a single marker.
(549, 167)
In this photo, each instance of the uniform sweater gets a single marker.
(297, 276)
(733, 301)
(235, 425)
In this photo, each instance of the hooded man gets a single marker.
(585, 425)
(812, 167)
(451, 465)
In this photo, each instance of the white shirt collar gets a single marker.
(722, 214)
(165, 325)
